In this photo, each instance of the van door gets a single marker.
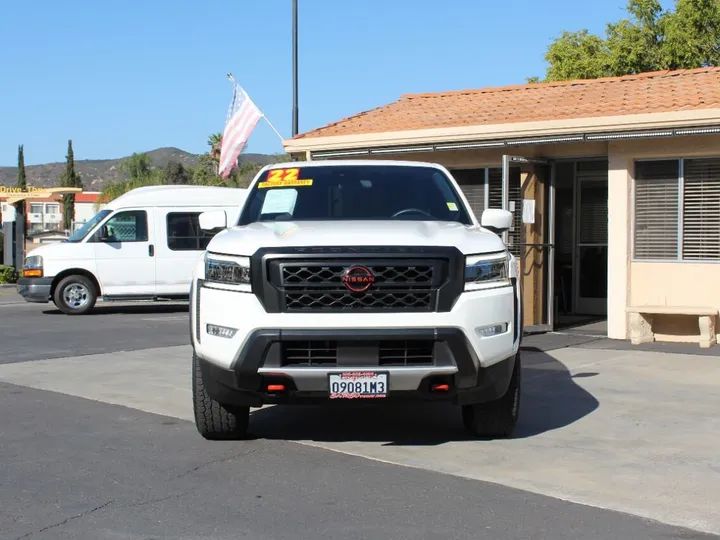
(181, 242)
(125, 254)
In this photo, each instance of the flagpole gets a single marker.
(295, 66)
(232, 79)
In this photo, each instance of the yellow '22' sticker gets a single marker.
(284, 178)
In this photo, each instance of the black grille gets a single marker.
(402, 300)
(320, 353)
(406, 353)
(405, 276)
(309, 353)
(408, 286)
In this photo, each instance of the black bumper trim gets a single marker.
(36, 290)
(242, 384)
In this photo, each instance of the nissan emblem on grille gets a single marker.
(358, 279)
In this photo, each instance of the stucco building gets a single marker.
(619, 179)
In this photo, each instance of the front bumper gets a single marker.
(36, 290)
(259, 364)
(237, 370)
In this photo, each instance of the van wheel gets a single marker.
(75, 295)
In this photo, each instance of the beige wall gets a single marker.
(653, 283)
(629, 283)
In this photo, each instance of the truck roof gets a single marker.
(352, 162)
(180, 196)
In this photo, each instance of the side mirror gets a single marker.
(103, 235)
(496, 220)
(213, 221)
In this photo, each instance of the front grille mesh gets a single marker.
(407, 276)
(406, 353)
(310, 300)
(309, 353)
(321, 353)
(395, 287)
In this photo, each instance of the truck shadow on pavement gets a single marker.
(551, 399)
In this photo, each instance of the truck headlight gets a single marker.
(33, 266)
(483, 271)
(228, 270)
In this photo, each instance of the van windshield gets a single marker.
(354, 192)
(82, 232)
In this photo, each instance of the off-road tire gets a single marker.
(215, 421)
(497, 418)
(80, 283)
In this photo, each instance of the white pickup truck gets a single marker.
(352, 280)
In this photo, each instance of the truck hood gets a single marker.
(245, 240)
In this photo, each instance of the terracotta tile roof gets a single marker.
(661, 91)
(87, 197)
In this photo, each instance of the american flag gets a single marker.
(242, 118)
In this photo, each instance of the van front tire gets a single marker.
(75, 295)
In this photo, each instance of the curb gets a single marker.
(8, 286)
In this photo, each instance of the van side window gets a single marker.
(130, 226)
(184, 232)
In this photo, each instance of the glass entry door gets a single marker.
(532, 236)
(591, 246)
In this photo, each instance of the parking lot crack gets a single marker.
(66, 520)
(214, 462)
(155, 500)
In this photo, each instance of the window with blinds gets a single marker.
(656, 209)
(472, 183)
(701, 209)
(593, 211)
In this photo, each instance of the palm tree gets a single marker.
(215, 143)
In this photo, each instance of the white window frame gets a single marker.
(681, 214)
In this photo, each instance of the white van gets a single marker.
(141, 246)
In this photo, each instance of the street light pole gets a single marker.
(295, 66)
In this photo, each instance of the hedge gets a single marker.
(8, 274)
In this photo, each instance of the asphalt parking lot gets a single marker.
(96, 442)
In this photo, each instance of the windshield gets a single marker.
(78, 235)
(354, 192)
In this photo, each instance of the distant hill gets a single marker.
(97, 173)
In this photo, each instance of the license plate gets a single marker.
(358, 385)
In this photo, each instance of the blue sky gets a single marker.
(127, 76)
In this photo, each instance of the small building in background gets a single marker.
(44, 212)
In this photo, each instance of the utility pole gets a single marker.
(295, 67)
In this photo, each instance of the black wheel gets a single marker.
(75, 295)
(497, 418)
(215, 421)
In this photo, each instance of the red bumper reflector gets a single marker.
(276, 388)
(440, 387)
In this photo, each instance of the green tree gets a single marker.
(137, 167)
(176, 174)
(69, 178)
(650, 39)
(215, 143)
(139, 172)
(22, 180)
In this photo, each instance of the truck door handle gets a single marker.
(151, 250)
